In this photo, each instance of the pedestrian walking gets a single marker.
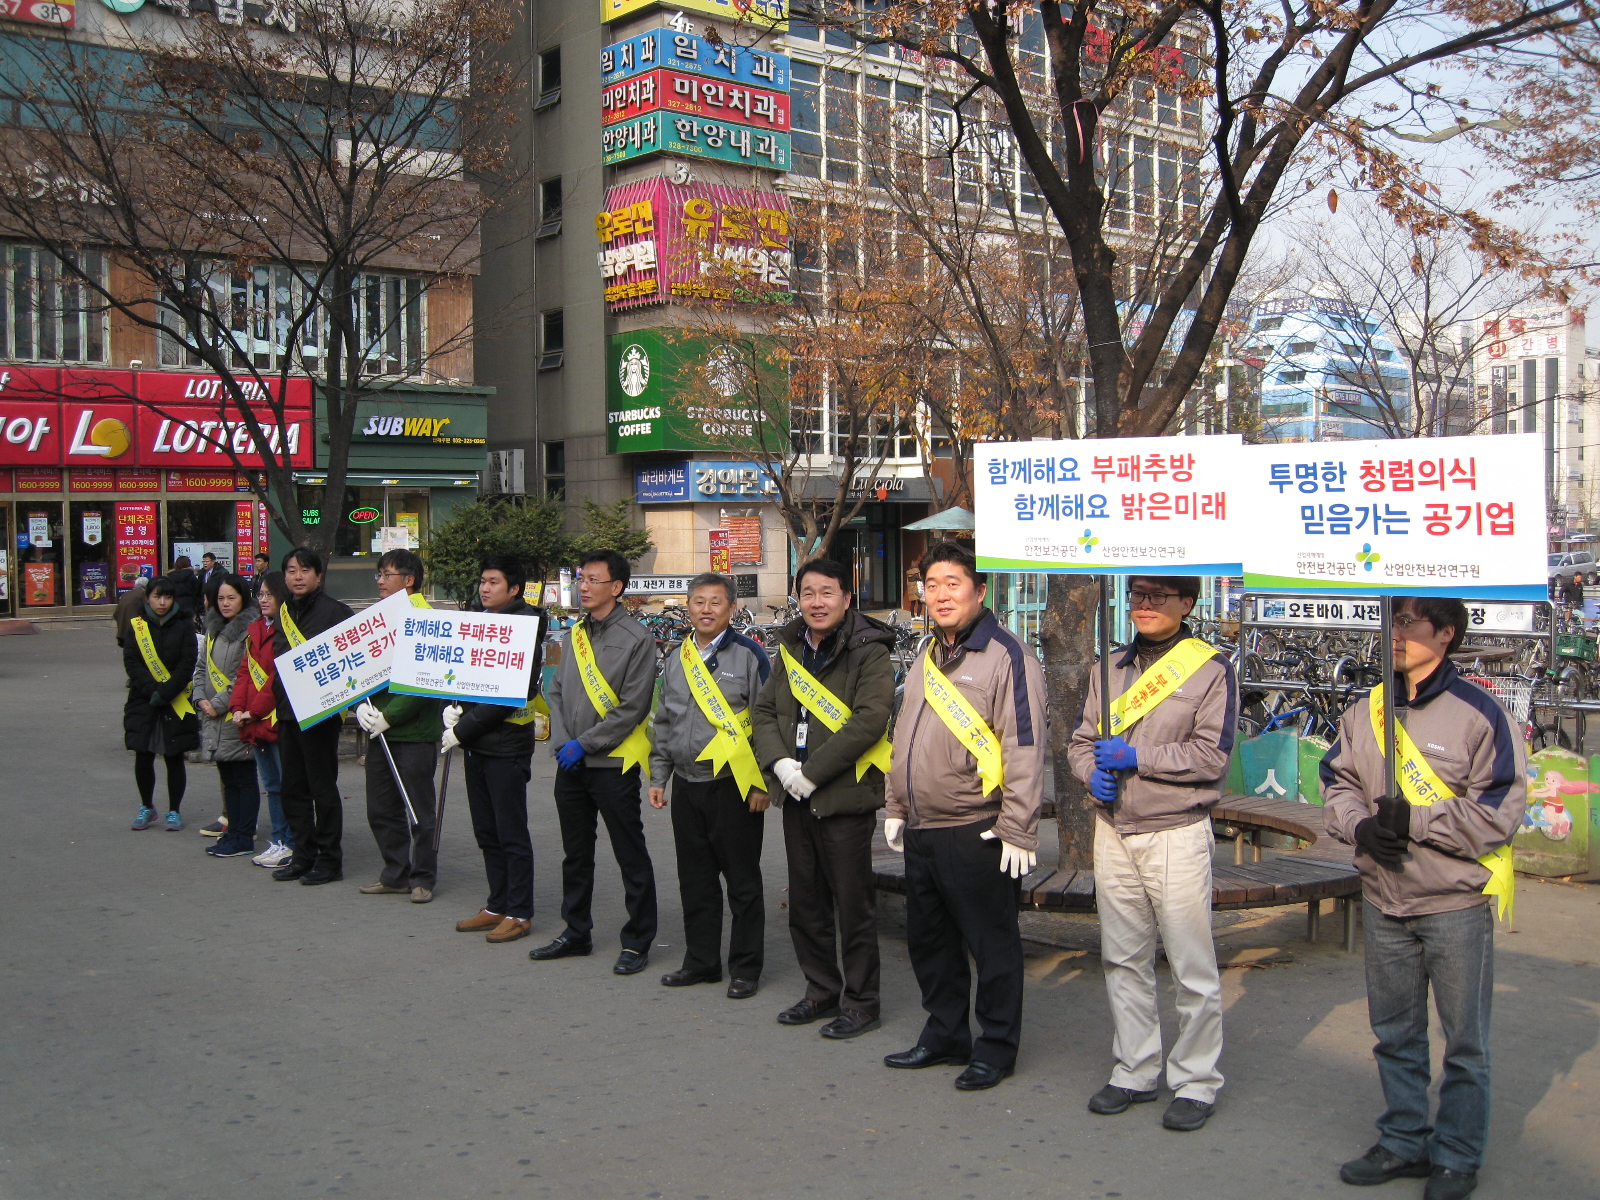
(1572, 591)
(962, 804)
(602, 693)
(1156, 774)
(1431, 860)
(227, 634)
(820, 725)
(497, 743)
(405, 732)
(129, 606)
(701, 746)
(158, 719)
(186, 588)
(255, 713)
(309, 757)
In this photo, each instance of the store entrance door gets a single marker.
(870, 547)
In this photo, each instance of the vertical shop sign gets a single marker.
(134, 522)
(719, 551)
(244, 526)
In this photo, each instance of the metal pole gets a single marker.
(411, 814)
(1386, 635)
(438, 813)
(1105, 656)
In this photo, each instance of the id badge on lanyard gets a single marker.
(802, 730)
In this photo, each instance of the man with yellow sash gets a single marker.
(158, 720)
(1435, 865)
(601, 695)
(1155, 775)
(963, 806)
(820, 723)
(701, 742)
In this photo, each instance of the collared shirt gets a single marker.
(708, 652)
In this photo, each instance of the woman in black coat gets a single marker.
(151, 721)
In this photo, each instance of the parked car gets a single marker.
(1565, 562)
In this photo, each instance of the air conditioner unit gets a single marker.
(505, 475)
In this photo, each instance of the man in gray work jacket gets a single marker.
(1428, 919)
(717, 815)
(601, 761)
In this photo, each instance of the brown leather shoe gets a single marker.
(382, 889)
(484, 921)
(509, 930)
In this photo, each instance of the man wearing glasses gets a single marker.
(1155, 775)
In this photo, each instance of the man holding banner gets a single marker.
(1430, 859)
(719, 797)
(963, 806)
(1155, 774)
(602, 692)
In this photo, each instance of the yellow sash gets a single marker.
(832, 712)
(730, 744)
(219, 681)
(635, 748)
(971, 730)
(258, 676)
(1423, 787)
(1159, 682)
(158, 670)
(290, 629)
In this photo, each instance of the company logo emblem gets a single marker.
(105, 438)
(449, 676)
(726, 372)
(1088, 541)
(633, 373)
(1367, 556)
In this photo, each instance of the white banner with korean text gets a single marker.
(326, 674)
(483, 657)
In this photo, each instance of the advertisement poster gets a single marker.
(487, 657)
(1455, 516)
(5, 575)
(1116, 506)
(326, 674)
(39, 584)
(135, 549)
(94, 583)
(195, 551)
(93, 529)
(719, 551)
(244, 536)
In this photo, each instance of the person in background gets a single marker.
(227, 634)
(209, 570)
(411, 727)
(1572, 591)
(158, 720)
(186, 588)
(130, 606)
(263, 569)
(255, 713)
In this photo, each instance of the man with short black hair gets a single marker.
(263, 569)
(602, 693)
(209, 570)
(1430, 860)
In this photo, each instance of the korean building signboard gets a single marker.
(709, 98)
(704, 481)
(723, 141)
(767, 14)
(691, 54)
(667, 390)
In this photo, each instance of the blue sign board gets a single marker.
(704, 480)
(666, 483)
(692, 53)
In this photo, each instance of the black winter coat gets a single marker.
(487, 729)
(190, 594)
(314, 613)
(175, 645)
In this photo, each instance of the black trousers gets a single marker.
(409, 860)
(830, 868)
(608, 793)
(241, 797)
(497, 794)
(144, 778)
(958, 902)
(310, 791)
(717, 837)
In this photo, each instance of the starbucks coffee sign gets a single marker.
(666, 390)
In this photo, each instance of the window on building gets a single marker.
(549, 83)
(46, 314)
(1291, 377)
(805, 125)
(1269, 324)
(549, 208)
(805, 31)
(555, 470)
(1302, 347)
(552, 339)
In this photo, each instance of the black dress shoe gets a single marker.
(1380, 1165)
(321, 875)
(980, 1075)
(292, 871)
(1111, 1099)
(1445, 1184)
(631, 962)
(742, 989)
(682, 977)
(806, 1011)
(1186, 1115)
(918, 1057)
(851, 1022)
(562, 947)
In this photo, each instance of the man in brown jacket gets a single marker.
(1156, 777)
(964, 809)
(819, 751)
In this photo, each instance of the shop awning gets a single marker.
(951, 520)
(398, 479)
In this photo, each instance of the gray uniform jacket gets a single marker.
(1183, 744)
(681, 732)
(625, 652)
(1469, 741)
(219, 736)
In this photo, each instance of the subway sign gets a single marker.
(385, 427)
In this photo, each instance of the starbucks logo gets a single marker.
(726, 372)
(633, 373)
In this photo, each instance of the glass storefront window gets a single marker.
(92, 532)
(41, 553)
(195, 527)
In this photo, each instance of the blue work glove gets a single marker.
(1103, 786)
(1114, 754)
(570, 756)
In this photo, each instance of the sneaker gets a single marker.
(145, 819)
(174, 823)
(216, 829)
(275, 855)
(231, 848)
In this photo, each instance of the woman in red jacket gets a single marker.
(254, 712)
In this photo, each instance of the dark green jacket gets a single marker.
(411, 718)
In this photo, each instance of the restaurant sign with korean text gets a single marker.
(326, 674)
(1458, 516)
(483, 657)
(1115, 506)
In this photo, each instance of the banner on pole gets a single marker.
(341, 666)
(482, 657)
(1114, 506)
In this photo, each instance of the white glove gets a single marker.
(1014, 860)
(799, 786)
(894, 833)
(452, 714)
(371, 719)
(449, 742)
(785, 769)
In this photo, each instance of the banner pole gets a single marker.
(438, 814)
(1386, 634)
(398, 782)
(1105, 656)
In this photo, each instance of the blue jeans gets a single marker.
(271, 782)
(1453, 953)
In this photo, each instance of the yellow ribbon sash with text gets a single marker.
(730, 745)
(635, 748)
(832, 712)
(258, 676)
(158, 669)
(971, 730)
(1159, 682)
(219, 681)
(290, 629)
(1423, 787)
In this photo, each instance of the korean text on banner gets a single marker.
(1117, 506)
(1458, 516)
(326, 674)
(484, 657)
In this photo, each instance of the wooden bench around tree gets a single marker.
(1323, 869)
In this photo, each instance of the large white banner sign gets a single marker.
(1453, 516)
(1118, 506)
(486, 657)
(1356, 612)
(326, 674)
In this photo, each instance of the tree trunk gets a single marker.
(1068, 634)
